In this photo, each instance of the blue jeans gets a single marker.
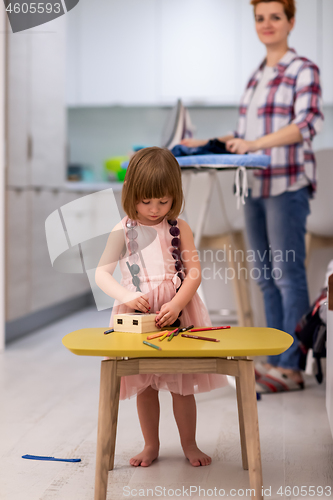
(276, 228)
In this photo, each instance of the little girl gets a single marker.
(163, 278)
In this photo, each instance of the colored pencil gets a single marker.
(180, 330)
(152, 345)
(167, 334)
(210, 328)
(171, 336)
(199, 338)
(156, 335)
(109, 331)
(174, 333)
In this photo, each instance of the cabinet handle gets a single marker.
(30, 147)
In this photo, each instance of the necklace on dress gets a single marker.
(134, 257)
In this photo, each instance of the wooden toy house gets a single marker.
(134, 323)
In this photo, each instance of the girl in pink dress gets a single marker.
(160, 273)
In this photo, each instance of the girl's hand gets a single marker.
(135, 300)
(167, 315)
(240, 146)
(193, 143)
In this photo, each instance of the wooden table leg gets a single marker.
(247, 396)
(241, 425)
(107, 425)
(115, 390)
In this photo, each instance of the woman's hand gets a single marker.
(167, 315)
(240, 146)
(193, 143)
(135, 300)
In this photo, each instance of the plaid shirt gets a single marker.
(292, 96)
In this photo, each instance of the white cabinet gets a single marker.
(18, 225)
(36, 139)
(155, 51)
(197, 47)
(47, 285)
(47, 119)
(305, 37)
(326, 48)
(36, 106)
(112, 53)
(32, 283)
(252, 51)
(18, 146)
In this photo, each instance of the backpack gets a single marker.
(311, 333)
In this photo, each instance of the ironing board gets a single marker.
(213, 164)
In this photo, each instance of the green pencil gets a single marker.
(152, 345)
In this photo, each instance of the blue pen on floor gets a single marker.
(152, 345)
(51, 459)
(109, 331)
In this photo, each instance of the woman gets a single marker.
(280, 113)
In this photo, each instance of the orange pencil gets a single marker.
(156, 335)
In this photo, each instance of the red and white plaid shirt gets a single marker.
(292, 96)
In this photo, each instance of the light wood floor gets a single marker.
(49, 401)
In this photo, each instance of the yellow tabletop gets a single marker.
(236, 341)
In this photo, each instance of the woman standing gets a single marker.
(279, 115)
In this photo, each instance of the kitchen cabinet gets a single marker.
(198, 42)
(35, 163)
(47, 112)
(47, 285)
(36, 117)
(154, 51)
(326, 49)
(251, 51)
(19, 141)
(112, 52)
(305, 37)
(32, 283)
(17, 254)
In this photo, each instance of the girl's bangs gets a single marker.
(153, 187)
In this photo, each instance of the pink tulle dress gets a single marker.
(159, 282)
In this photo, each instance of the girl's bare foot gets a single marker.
(146, 457)
(196, 456)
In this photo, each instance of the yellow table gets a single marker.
(129, 356)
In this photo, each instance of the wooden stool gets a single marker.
(181, 355)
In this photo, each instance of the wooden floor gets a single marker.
(49, 402)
